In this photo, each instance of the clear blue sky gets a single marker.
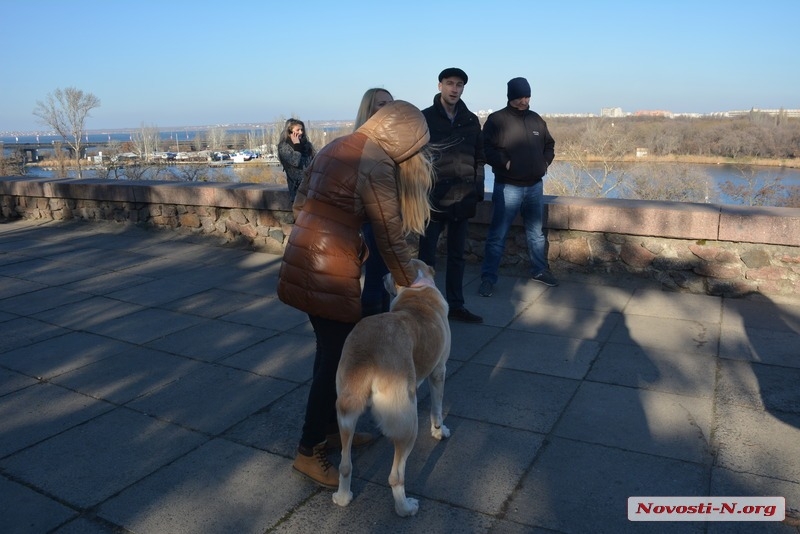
(187, 63)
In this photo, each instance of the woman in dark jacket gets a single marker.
(378, 174)
(295, 152)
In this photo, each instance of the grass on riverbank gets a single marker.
(706, 160)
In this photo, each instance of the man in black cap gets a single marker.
(459, 162)
(519, 148)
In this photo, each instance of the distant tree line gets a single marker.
(625, 157)
(756, 135)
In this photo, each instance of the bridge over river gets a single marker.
(30, 150)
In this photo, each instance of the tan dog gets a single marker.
(385, 358)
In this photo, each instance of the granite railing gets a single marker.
(699, 248)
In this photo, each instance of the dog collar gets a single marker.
(423, 282)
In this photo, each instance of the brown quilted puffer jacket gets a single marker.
(351, 180)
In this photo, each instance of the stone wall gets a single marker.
(700, 248)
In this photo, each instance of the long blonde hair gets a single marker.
(415, 178)
(365, 110)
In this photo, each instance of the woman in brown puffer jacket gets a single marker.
(378, 174)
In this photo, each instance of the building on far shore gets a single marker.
(611, 112)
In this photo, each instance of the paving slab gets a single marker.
(89, 463)
(25, 510)
(764, 387)
(476, 391)
(757, 442)
(219, 488)
(11, 286)
(566, 357)
(153, 382)
(24, 331)
(725, 482)
(677, 335)
(126, 375)
(764, 345)
(681, 373)
(651, 422)
(11, 381)
(56, 356)
(577, 487)
(211, 340)
(212, 398)
(287, 356)
(211, 303)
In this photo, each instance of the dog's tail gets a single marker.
(395, 410)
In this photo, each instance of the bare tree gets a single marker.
(596, 161)
(192, 172)
(146, 141)
(749, 190)
(13, 165)
(217, 138)
(60, 157)
(674, 182)
(66, 110)
(197, 141)
(564, 180)
(792, 198)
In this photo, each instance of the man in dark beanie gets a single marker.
(459, 163)
(518, 88)
(519, 148)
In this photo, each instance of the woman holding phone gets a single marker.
(295, 153)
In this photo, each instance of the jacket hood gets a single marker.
(399, 128)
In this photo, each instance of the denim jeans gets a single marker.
(374, 298)
(508, 200)
(456, 242)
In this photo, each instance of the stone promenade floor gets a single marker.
(153, 383)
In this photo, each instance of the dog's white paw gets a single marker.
(440, 433)
(406, 507)
(343, 498)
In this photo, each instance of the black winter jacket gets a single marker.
(458, 160)
(522, 138)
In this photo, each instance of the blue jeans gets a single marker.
(456, 243)
(508, 200)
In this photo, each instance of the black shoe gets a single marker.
(486, 289)
(462, 314)
(546, 278)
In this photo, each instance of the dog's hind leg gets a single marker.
(436, 383)
(347, 428)
(404, 506)
(403, 433)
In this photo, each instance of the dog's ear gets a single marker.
(424, 278)
(389, 285)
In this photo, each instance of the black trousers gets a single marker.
(321, 407)
(456, 243)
